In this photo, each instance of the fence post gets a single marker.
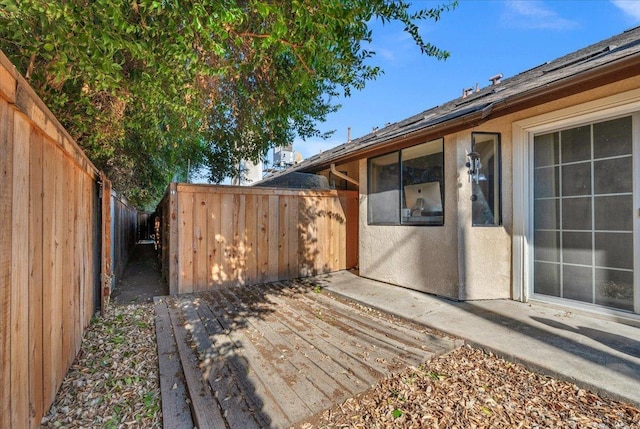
(106, 269)
(174, 276)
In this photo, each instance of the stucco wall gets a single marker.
(457, 260)
(424, 258)
(484, 252)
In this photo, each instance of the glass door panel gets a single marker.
(583, 214)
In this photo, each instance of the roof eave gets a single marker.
(601, 75)
(606, 73)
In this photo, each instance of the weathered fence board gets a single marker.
(106, 274)
(6, 198)
(19, 306)
(50, 250)
(36, 308)
(218, 235)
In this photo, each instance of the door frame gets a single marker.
(627, 103)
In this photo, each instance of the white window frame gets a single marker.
(627, 103)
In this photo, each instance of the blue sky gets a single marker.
(484, 38)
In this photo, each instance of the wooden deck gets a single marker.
(273, 355)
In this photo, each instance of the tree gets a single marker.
(150, 86)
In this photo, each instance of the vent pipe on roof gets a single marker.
(348, 134)
(467, 92)
(495, 79)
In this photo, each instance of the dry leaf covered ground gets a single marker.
(114, 384)
(469, 388)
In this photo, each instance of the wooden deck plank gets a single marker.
(321, 370)
(346, 356)
(333, 362)
(312, 384)
(365, 347)
(264, 406)
(175, 408)
(289, 401)
(206, 413)
(236, 410)
(417, 338)
(394, 353)
(275, 354)
(388, 335)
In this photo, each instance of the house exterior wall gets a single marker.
(458, 260)
(421, 258)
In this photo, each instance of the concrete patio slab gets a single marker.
(600, 355)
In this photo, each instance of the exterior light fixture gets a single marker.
(473, 166)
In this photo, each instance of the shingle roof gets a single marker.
(606, 52)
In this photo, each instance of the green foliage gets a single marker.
(150, 87)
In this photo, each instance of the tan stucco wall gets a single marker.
(457, 260)
(423, 258)
(484, 252)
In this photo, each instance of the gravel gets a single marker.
(113, 382)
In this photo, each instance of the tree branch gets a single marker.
(32, 62)
(295, 47)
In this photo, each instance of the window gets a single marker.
(407, 187)
(384, 199)
(486, 201)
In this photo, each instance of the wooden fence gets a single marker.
(145, 226)
(54, 233)
(216, 235)
(124, 232)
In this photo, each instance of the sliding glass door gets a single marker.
(584, 214)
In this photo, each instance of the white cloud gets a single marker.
(387, 54)
(630, 7)
(534, 15)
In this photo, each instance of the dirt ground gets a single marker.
(142, 279)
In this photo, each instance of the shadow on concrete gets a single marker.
(142, 279)
(614, 341)
(549, 339)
